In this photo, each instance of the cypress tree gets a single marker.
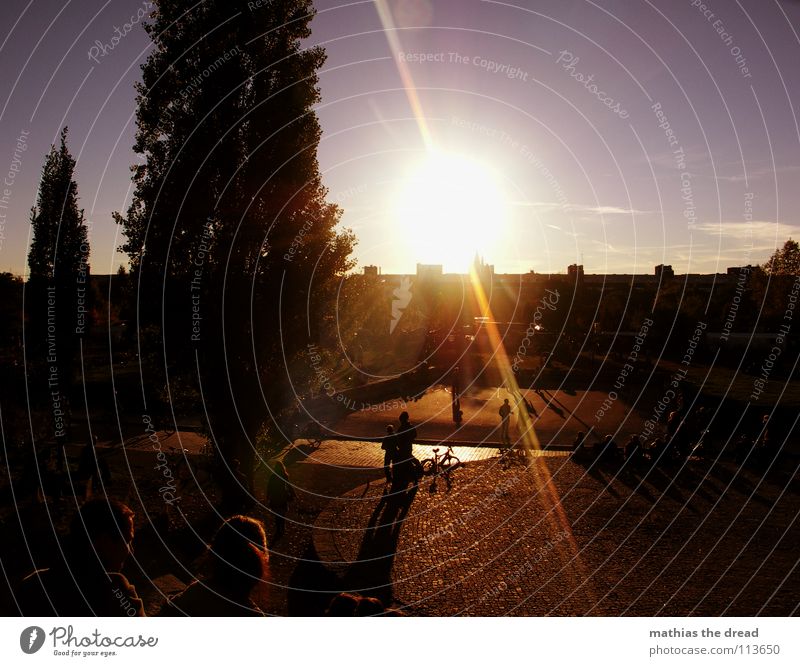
(57, 291)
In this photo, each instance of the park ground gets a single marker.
(548, 537)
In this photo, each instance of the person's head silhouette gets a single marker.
(88, 581)
(343, 604)
(238, 561)
(404, 417)
(239, 555)
(368, 607)
(102, 529)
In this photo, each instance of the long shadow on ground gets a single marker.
(371, 574)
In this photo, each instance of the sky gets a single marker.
(617, 134)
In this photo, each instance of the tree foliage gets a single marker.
(59, 246)
(785, 260)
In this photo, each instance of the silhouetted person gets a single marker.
(369, 607)
(238, 562)
(343, 605)
(403, 466)
(389, 447)
(608, 450)
(633, 449)
(279, 493)
(456, 399)
(88, 581)
(458, 414)
(505, 419)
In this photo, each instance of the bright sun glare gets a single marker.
(449, 208)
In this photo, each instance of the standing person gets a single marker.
(456, 398)
(505, 419)
(389, 447)
(279, 493)
(403, 467)
(456, 406)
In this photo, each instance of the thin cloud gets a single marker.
(611, 210)
(696, 158)
(759, 234)
(757, 174)
(546, 206)
(574, 234)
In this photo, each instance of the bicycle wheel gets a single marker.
(427, 466)
(449, 464)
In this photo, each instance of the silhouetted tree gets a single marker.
(785, 260)
(57, 292)
(59, 246)
(233, 248)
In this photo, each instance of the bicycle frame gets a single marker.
(444, 463)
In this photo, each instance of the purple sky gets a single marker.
(584, 181)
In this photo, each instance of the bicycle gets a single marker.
(514, 455)
(443, 465)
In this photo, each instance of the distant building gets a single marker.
(372, 271)
(663, 271)
(429, 271)
(575, 273)
(483, 270)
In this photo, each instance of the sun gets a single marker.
(449, 208)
